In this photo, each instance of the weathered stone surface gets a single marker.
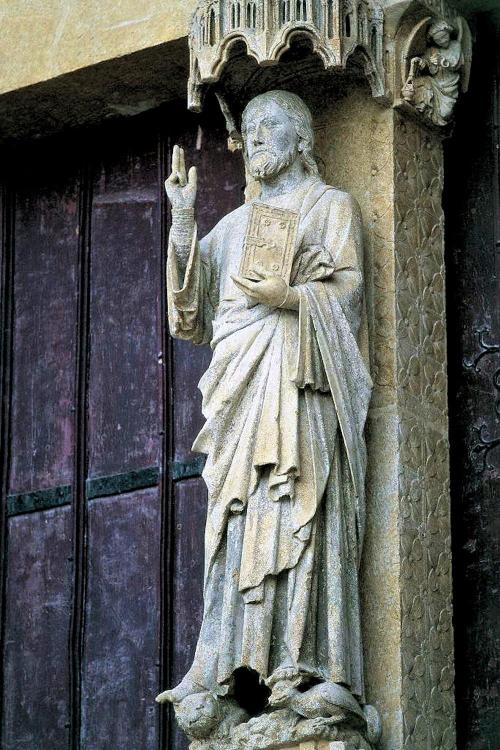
(286, 513)
(396, 178)
(48, 38)
(393, 167)
(436, 65)
(336, 31)
(406, 573)
(355, 124)
(425, 544)
(286, 730)
(114, 88)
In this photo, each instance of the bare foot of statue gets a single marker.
(179, 692)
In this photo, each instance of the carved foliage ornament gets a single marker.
(336, 29)
(425, 544)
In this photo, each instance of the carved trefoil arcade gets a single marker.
(335, 28)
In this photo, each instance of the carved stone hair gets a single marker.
(301, 117)
(439, 25)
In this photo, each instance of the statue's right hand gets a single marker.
(181, 189)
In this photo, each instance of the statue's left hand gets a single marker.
(269, 290)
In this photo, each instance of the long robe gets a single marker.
(436, 94)
(285, 400)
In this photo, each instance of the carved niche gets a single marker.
(336, 29)
(435, 59)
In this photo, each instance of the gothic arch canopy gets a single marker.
(335, 29)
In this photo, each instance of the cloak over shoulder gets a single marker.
(265, 362)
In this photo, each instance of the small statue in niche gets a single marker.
(435, 77)
(277, 289)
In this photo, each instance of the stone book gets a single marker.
(270, 242)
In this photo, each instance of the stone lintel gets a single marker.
(114, 88)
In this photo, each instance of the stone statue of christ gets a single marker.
(285, 400)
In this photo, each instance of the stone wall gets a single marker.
(355, 143)
(394, 169)
(43, 39)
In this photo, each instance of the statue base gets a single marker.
(286, 729)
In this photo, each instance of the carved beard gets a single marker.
(268, 163)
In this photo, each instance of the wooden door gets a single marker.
(472, 209)
(103, 507)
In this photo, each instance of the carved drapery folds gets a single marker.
(434, 59)
(336, 29)
(427, 53)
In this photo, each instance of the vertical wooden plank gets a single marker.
(187, 594)
(45, 299)
(165, 486)
(124, 381)
(125, 412)
(120, 670)
(125, 432)
(472, 211)
(190, 362)
(6, 285)
(189, 519)
(36, 700)
(40, 450)
(79, 516)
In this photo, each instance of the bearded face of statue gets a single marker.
(270, 139)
